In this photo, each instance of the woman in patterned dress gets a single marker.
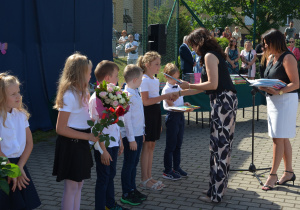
(216, 81)
(233, 56)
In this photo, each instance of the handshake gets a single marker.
(171, 96)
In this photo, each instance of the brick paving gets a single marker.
(244, 191)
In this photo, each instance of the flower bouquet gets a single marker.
(111, 103)
(7, 169)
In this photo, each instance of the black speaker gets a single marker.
(157, 39)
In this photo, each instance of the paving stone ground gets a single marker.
(244, 191)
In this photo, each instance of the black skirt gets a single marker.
(73, 159)
(26, 199)
(153, 122)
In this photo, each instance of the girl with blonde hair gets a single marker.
(150, 63)
(73, 159)
(16, 144)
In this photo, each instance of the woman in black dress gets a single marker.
(217, 83)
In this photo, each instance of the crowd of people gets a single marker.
(73, 159)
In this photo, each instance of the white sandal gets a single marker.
(159, 182)
(143, 185)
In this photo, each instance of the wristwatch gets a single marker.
(280, 92)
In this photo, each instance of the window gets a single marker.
(248, 21)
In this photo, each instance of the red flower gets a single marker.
(117, 120)
(120, 111)
(111, 109)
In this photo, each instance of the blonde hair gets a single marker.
(171, 69)
(73, 78)
(246, 42)
(5, 81)
(131, 72)
(147, 58)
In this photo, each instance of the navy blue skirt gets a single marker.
(24, 199)
(73, 159)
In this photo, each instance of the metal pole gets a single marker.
(254, 25)
(145, 25)
(170, 16)
(176, 34)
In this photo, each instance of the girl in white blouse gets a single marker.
(150, 63)
(16, 145)
(73, 160)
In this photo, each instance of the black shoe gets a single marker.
(131, 199)
(181, 172)
(269, 187)
(118, 207)
(140, 195)
(291, 179)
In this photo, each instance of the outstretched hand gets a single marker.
(184, 85)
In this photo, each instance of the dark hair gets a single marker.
(105, 68)
(231, 41)
(203, 42)
(275, 39)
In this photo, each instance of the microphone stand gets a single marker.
(252, 167)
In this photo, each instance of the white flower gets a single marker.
(116, 88)
(119, 96)
(110, 89)
(115, 97)
(103, 94)
(1, 139)
(111, 96)
(108, 101)
(122, 101)
(3, 163)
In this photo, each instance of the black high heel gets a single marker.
(292, 179)
(268, 187)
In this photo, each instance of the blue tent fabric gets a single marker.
(41, 35)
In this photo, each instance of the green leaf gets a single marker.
(12, 170)
(3, 159)
(94, 131)
(4, 185)
(120, 123)
(112, 138)
(97, 126)
(106, 143)
(90, 123)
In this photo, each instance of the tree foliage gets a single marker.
(269, 13)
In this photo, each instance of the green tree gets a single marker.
(270, 13)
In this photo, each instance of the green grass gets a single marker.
(39, 136)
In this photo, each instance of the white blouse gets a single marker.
(13, 134)
(79, 115)
(151, 86)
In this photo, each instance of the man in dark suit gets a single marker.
(186, 58)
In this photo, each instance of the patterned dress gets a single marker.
(233, 54)
(223, 116)
(224, 104)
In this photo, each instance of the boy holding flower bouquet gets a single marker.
(106, 157)
(133, 136)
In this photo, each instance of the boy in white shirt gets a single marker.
(106, 161)
(174, 125)
(133, 136)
